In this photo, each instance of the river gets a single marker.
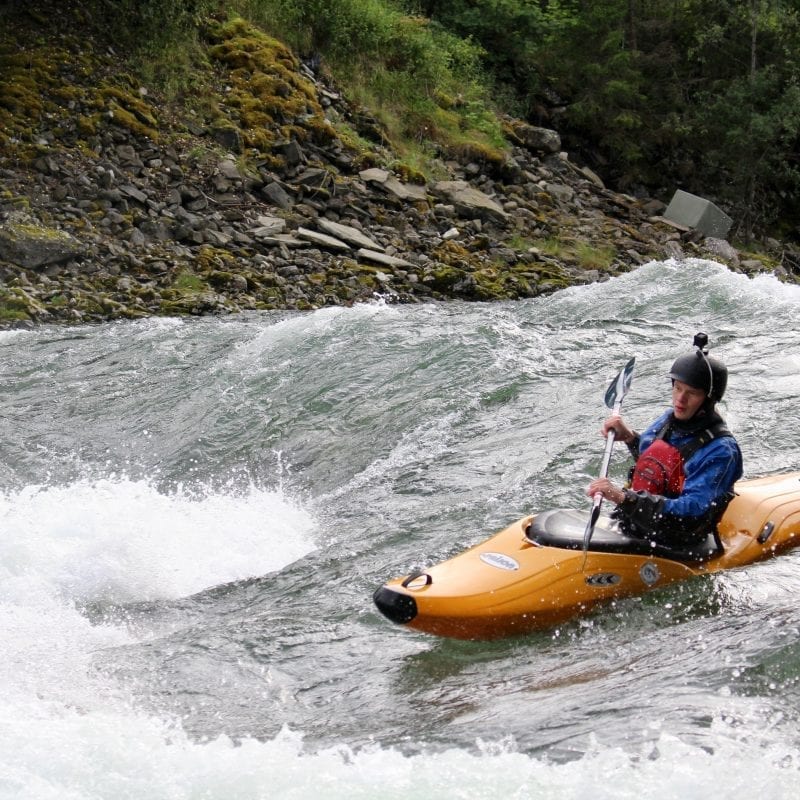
(194, 514)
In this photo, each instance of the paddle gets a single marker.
(614, 397)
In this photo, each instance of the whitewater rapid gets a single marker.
(194, 513)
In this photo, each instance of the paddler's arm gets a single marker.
(647, 511)
(607, 488)
(622, 433)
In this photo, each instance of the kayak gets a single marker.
(535, 574)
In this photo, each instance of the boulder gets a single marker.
(30, 245)
(381, 258)
(321, 239)
(347, 234)
(391, 185)
(541, 140)
(469, 201)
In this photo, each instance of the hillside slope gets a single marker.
(263, 188)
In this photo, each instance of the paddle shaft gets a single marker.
(617, 390)
(610, 438)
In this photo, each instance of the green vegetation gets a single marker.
(698, 94)
(13, 307)
(189, 283)
(577, 252)
(424, 85)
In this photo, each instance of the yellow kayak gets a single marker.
(534, 573)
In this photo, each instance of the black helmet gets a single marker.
(700, 370)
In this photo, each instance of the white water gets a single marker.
(151, 622)
(65, 729)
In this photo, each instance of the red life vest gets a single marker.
(659, 469)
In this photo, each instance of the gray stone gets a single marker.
(673, 250)
(592, 176)
(131, 191)
(348, 234)
(542, 140)
(698, 213)
(276, 194)
(390, 184)
(137, 238)
(374, 175)
(268, 226)
(328, 242)
(720, 248)
(292, 153)
(31, 245)
(561, 191)
(313, 177)
(283, 240)
(468, 201)
(381, 258)
(229, 138)
(653, 207)
(229, 170)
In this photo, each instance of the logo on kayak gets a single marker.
(649, 573)
(500, 561)
(603, 579)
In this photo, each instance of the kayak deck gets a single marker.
(564, 527)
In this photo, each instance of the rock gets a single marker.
(283, 240)
(653, 208)
(721, 249)
(313, 178)
(374, 174)
(348, 234)
(131, 191)
(672, 249)
(391, 185)
(292, 153)
(560, 191)
(328, 242)
(469, 201)
(31, 245)
(542, 140)
(382, 258)
(276, 194)
(228, 169)
(592, 176)
(268, 226)
(699, 213)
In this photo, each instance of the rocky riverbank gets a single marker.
(271, 191)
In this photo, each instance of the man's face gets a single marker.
(686, 400)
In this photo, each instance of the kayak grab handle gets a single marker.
(766, 532)
(417, 574)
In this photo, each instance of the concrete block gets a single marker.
(696, 212)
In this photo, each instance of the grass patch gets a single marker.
(188, 283)
(594, 257)
(585, 254)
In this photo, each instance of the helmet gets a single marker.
(701, 371)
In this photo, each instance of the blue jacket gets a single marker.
(710, 475)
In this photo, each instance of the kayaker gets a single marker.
(687, 461)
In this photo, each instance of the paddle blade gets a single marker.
(620, 385)
(591, 522)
